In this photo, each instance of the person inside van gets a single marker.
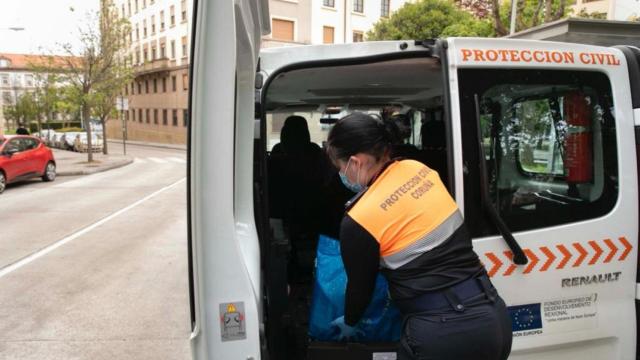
(404, 222)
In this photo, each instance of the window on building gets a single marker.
(28, 79)
(133, 114)
(164, 84)
(162, 20)
(282, 30)
(144, 28)
(136, 6)
(173, 49)
(132, 88)
(172, 16)
(144, 4)
(155, 85)
(153, 24)
(146, 86)
(145, 55)
(162, 51)
(139, 115)
(358, 36)
(358, 6)
(184, 46)
(174, 117)
(185, 117)
(7, 98)
(126, 116)
(329, 3)
(155, 116)
(185, 82)
(148, 116)
(327, 34)
(129, 7)
(5, 79)
(126, 90)
(139, 87)
(174, 83)
(153, 52)
(123, 13)
(164, 117)
(137, 31)
(550, 146)
(384, 8)
(183, 10)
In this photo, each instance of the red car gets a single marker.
(23, 157)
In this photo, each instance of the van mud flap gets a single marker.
(351, 351)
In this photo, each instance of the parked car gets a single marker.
(81, 144)
(66, 140)
(23, 157)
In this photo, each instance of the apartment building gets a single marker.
(297, 22)
(624, 10)
(159, 48)
(17, 77)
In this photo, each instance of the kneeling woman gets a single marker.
(404, 221)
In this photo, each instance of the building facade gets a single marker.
(623, 10)
(17, 77)
(296, 22)
(159, 48)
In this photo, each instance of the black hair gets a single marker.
(362, 133)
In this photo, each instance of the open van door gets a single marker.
(223, 247)
(549, 127)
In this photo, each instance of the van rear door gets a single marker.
(223, 247)
(555, 125)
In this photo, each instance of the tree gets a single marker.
(428, 19)
(24, 110)
(113, 34)
(529, 13)
(47, 85)
(94, 67)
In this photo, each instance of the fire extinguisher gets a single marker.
(578, 160)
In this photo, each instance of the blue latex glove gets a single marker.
(345, 331)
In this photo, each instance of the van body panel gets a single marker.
(226, 262)
(273, 59)
(611, 305)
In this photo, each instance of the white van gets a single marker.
(536, 141)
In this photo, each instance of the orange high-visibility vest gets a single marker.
(408, 210)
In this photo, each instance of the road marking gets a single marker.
(49, 248)
(178, 160)
(158, 160)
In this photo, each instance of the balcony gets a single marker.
(153, 66)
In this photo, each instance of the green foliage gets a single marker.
(24, 110)
(591, 15)
(428, 19)
(530, 13)
(70, 129)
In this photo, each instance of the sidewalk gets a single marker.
(71, 163)
(150, 144)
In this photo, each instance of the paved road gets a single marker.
(95, 267)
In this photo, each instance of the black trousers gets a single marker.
(481, 332)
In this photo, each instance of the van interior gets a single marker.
(298, 194)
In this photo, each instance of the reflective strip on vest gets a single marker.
(408, 210)
(434, 238)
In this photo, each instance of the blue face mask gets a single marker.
(356, 188)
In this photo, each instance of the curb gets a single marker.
(96, 170)
(154, 145)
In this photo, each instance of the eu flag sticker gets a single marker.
(525, 317)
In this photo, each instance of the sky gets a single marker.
(46, 23)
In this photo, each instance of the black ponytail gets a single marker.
(362, 133)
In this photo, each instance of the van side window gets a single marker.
(549, 142)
